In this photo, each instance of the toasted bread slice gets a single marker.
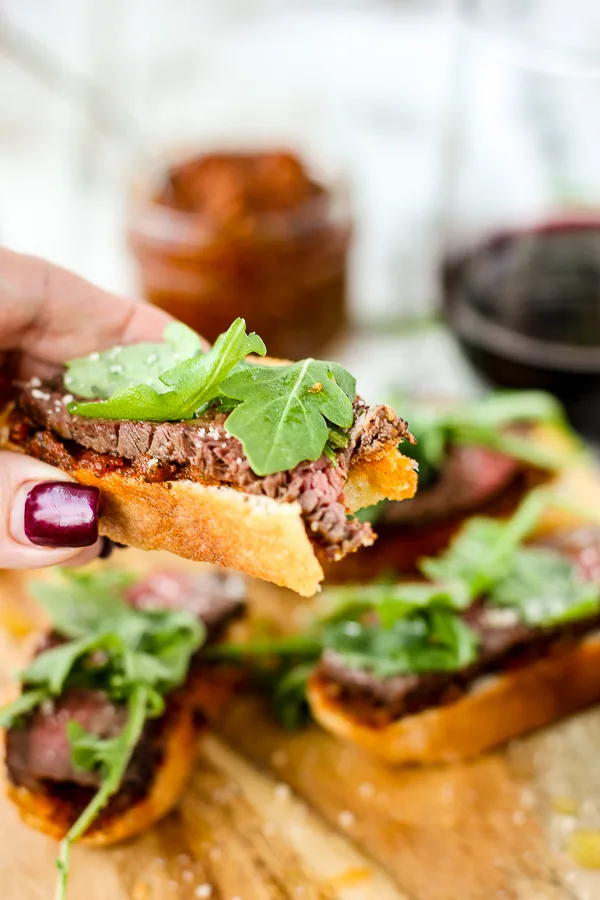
(502, 706)
(262, 537)
(495, 710)
(52, 810)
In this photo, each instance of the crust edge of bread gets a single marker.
(493, 712)
(445, 733)
(259, 536)
(49, 814)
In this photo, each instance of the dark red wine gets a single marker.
(525, 307)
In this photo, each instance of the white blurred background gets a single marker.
(88, 87)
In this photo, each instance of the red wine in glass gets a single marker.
(525, 308)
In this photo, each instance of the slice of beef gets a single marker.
(40, 750)
(471, 477)
(505, 641)
(203, 450)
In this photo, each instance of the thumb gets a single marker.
(45, 516)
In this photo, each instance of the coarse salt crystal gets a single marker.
(116, 370)
(500, 617)
(150, 360)
(67, 398)
(282, 791)
(203, 891)
(35, 381)
(94, 357)
(346, 819)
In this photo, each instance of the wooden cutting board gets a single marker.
(273, 816)
(269, 815)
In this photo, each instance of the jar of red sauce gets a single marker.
(252, 234)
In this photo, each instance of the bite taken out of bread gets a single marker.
(263, 476)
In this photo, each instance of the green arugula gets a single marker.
(428, 640)
(289, 695)
(194, 382)
(484, 423)
(487, 558)
(110, 756)
(543, 587)
(99, 375)
(282, 415)
(137, 657)
(284, 411)
(481, 553)
(390, 601)
(83, 603)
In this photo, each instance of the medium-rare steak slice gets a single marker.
(202, 450)
(504, 641)
(38, 749)
(471, 478)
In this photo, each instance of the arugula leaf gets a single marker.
(195, 383)
(480, 554)
(80, 602)
(111, 756)
(483, 423)
(21, 706)
(389, 601)
(543, 587)
(51, 668)
(284, 411)
(289, 696)
(101, 374)
(430, 640)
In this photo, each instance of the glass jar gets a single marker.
(521, 273)
(252, 234)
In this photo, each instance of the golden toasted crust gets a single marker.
(52, 815)
(497, 710)
(220, 525)
(386, 475)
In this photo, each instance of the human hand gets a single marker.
(49, 315)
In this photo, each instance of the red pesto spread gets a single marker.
(223, 235)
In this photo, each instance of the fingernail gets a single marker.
(107, 548)
(62, 514)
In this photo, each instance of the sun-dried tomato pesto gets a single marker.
(246, 234)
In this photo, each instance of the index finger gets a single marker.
(54, 315)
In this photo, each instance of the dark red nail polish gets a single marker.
(62, 514)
